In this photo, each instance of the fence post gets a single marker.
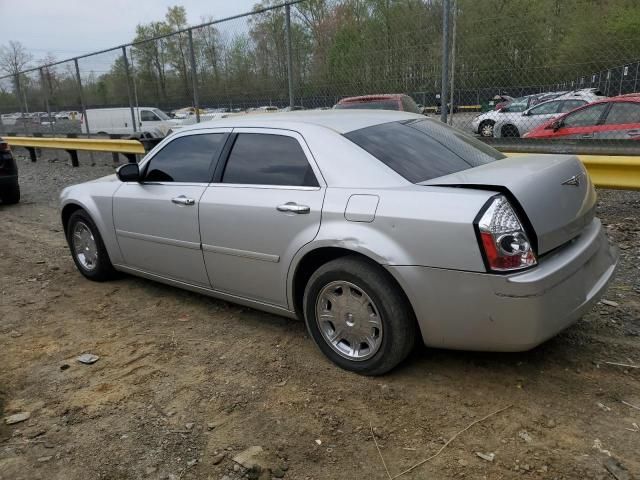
(445, 61)
(82, 102)
(128, 75)
(45, 90)
(635, 81)
(287, 9)
(194, 76)
(453, 56)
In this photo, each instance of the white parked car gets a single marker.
(9, 118)
(151, 121)
(517, 124)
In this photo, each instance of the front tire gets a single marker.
(87, 248)
(358, 317)
(486, 128)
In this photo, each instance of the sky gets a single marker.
(67, 28)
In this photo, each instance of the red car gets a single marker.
(616, 117)
(390, 101)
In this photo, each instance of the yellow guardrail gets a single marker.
(85, 144)
(618, 172)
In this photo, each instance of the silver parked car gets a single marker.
(375, 227)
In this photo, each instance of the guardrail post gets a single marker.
(73, 153)
(114, 155)
(32, 153)
(131, 157)
(194, 76)
(128, 75)
(287, 9)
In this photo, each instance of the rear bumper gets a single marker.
(8, 180)
(479, 311)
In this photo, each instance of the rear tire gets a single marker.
(358, 317)
(11, 195)
(87, 248)
(510, 131)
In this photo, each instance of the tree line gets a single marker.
(340, 48)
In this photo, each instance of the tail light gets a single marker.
(503, 240)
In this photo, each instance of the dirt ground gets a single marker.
(183, 378)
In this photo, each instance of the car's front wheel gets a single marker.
(486, 128)
(87, 248)
(358, 317)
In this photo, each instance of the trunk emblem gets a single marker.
(573, 181)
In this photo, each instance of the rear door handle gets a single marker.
(293, 207)
(587, 135)
(182, 200)
(633, 133)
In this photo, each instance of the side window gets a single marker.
(623, 112)
(262, 159)
(569, 105)
(186, 159)
(585, 117)
(545, 108)
(148, 116)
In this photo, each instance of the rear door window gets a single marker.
(420, 150)
(623, 112)
(266, 159)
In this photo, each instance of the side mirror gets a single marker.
(129, 172)
(556, 125)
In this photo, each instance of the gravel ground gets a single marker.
(184, 383)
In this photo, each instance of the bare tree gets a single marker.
(14, 57)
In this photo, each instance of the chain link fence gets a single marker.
(518, 69)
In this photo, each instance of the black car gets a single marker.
(9, 188)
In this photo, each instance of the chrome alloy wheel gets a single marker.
(349, 321)
(84, 246)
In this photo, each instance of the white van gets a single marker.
(151, 121)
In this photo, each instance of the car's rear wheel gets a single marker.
(486, 128)
(11, 195)
(510, 131)
(87, 248)
(358, 316)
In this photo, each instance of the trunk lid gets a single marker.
(553, 191)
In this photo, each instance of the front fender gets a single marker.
(96, 198)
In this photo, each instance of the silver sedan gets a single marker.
(376, 228)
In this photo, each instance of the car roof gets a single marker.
(341, 121)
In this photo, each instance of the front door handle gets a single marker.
(293, 207)
(182, 200)
(587, 135)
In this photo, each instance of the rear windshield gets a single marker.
(372, 105)
(423, 149)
